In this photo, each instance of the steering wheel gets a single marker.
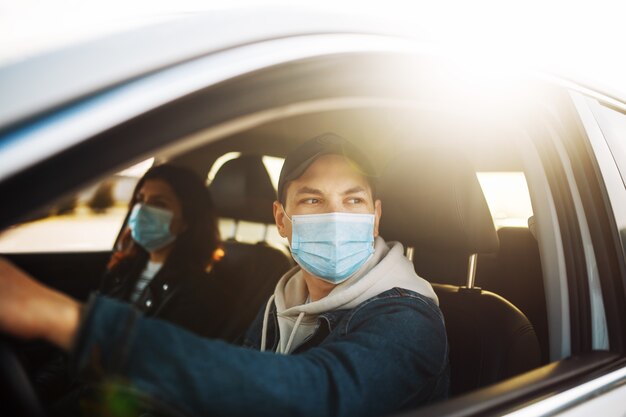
(17, 395)
(19, 399)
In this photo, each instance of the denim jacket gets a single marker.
(387, 354)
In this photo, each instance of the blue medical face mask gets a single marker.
(150, 226)
(332, 246)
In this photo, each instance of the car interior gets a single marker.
(432, 203)
(495, 284)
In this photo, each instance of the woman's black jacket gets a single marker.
(178, 294)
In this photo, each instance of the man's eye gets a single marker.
(311, 200)
(355, 200)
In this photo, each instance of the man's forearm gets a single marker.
(62, 322)
(210, 377)
(30, 310)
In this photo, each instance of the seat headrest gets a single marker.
(242, 190)
(432, 199)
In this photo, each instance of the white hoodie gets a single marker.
(387, 268)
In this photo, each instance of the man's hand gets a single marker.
(30, 310)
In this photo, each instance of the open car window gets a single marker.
(87, 221)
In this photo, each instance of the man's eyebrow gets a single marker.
(355, 190)
(308, 190)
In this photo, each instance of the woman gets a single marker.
(162, 265)
(167, 249)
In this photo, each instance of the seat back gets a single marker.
(518, 260)
(242, 190)
(490, 339)
(433, 203)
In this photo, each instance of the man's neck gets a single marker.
(318, 288)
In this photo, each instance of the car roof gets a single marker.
(52, 79)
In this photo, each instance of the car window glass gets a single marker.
(613, 126)
(507, 197)
(88, 221)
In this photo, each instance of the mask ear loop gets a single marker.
(290, 221)
(286, 215)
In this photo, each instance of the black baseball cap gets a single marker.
(299, 159)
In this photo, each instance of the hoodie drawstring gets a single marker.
(266, 316)
(293, 333)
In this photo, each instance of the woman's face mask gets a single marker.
(150, 226)
(332, 246)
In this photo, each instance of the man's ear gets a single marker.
(279, 218)
(378, 211)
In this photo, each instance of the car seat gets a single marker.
(518, 260)
(242, 191)
(432, 202)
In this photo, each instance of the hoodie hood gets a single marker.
(387, 268)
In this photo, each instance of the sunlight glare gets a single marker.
(507, 197)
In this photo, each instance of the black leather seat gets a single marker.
(432, 202)
(242, 190)
(518, 260)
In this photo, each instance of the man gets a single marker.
(350, 331)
